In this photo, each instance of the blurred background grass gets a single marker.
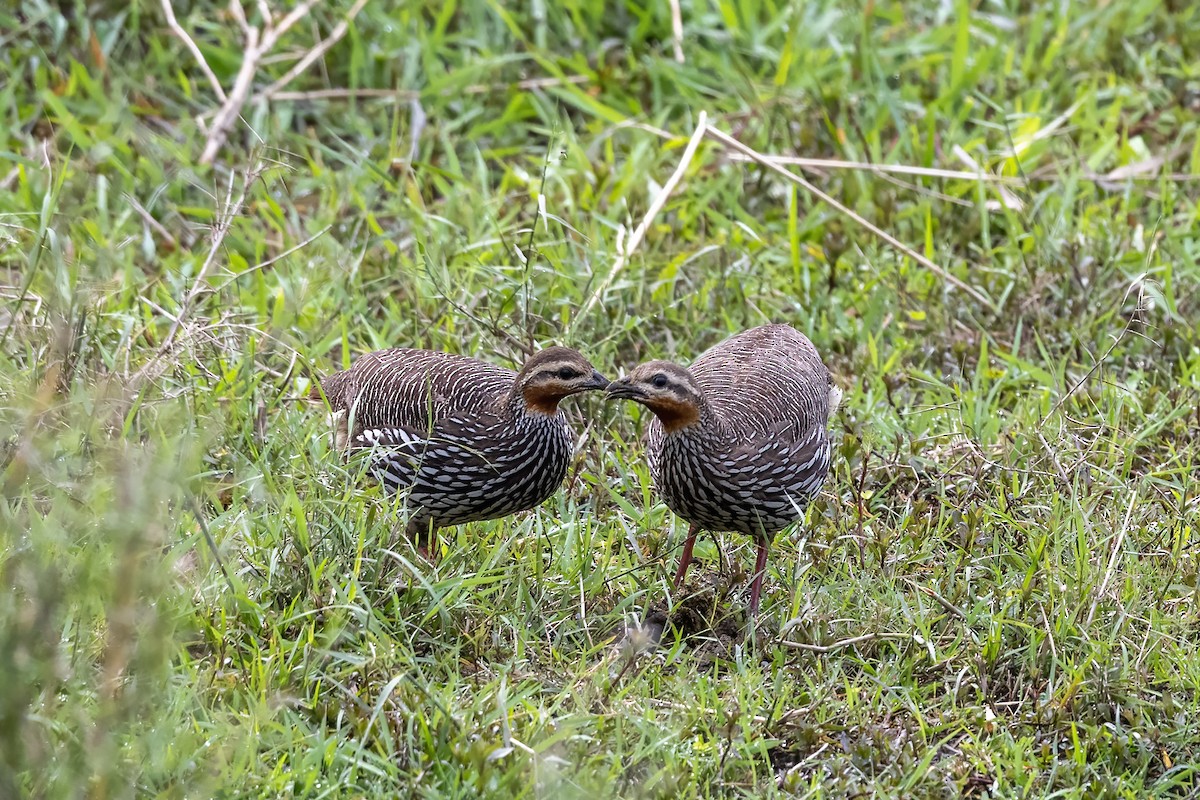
(201, 601)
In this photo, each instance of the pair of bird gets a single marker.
(739, 441)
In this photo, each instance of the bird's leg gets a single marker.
(760, 567)
(686, 558)
(716, 537)
(426, 540)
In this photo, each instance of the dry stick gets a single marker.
(829, 648)
(934, 172)
(413, 94)
(329, 41)
(1118, 542)
(149, 219)
(224, 223)
(902, 169)
(837, 163)
(660, 200)
(232, 107)
(264, 264)
(196, 53)
(258, 44)
(1087, 376)
(677, 30)
(754, 155)
(220, 230)
(943, 602)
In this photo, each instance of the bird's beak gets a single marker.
(624, 390)
(597, 381)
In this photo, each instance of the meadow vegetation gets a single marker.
(995, 595)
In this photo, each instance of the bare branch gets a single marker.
(295, 15)
(677, 30)
(660, 200)
(312, 55)
(232, 109)
(405, 95)
(257, 44)
(754, 155)
(191, 45)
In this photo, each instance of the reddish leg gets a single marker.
(760, 567)
(429, 551)
(426, 539)
(686, 558)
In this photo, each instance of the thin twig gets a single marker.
(258, 43)
(196, 52)
(1087, 376)
(754, 155)
(218, 132)
(1009, 199)
(1118, 542)
(154, 224)
(677, 30)
(224, 223)
(312, 55)
(867, 166)
(943, 602)
(274, 259)
(660, 200)
(838, 645)
(411, 94)
(295, 15)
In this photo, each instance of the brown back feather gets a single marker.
(410, 388)
(765, 381)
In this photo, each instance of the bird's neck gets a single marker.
(524, 409)
(695, 421)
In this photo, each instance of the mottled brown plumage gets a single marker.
(466, 439)
(739, 441)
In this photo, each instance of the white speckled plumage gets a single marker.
(740, 439)
(762, 451)
(467, 440)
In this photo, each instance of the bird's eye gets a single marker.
(659, 380)
(567, 373)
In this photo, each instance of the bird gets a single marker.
(466, 439)
(739, 441)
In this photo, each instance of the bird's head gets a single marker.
(552, 374)
(667, 389)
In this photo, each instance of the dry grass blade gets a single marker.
(407, 95)
(842, 643)
(1113, 557)
(169, 11)
(312, 55)
(677, 30)
(656, 206)
(755, 156)
(867, 166)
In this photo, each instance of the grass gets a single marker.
(995, 596)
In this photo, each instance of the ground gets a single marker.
(995, 595)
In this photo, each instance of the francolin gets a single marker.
(739, 440)
(467, 440)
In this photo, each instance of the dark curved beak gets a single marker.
(624, 390)
(597, 381)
